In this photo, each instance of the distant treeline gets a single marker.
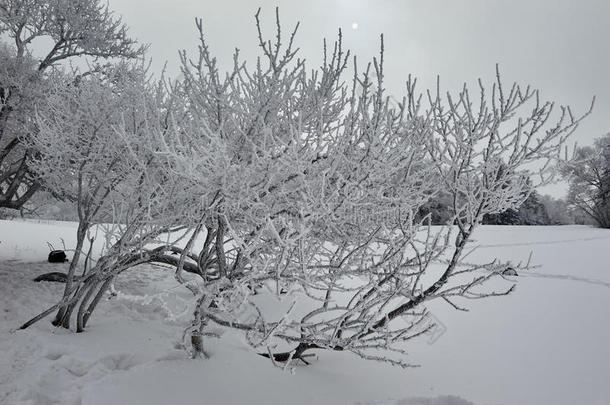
(536, 210)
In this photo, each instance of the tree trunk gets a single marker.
(81, 233)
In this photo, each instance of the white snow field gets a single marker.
(545, 344)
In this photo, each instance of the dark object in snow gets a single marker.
(55, 276)
(57, 256)
(509, 271)
(255, 287)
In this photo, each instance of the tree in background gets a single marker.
(558, 211)
(588, 173)
(531, 212)
(76, 28)
(536, 210)
(438, 209)
(96, 147)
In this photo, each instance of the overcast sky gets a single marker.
(561, 47)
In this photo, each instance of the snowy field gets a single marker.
(546, 344)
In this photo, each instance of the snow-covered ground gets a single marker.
(546, 344)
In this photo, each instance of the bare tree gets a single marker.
(83, 158)
(558, 210)
(81, 28)
(589, 175)
(300, 185)
(321, 184)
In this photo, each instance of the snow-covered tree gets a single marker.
(589, 175)
(558, 210)
(73, 29)
(531, 212)
(21, 87)
(309, 187)
(314, 183)
(83, 156)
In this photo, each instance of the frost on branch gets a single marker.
(72, 30)
(75, 27)
(308, 184)
(589, 175)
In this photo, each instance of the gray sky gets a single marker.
(561, 47)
